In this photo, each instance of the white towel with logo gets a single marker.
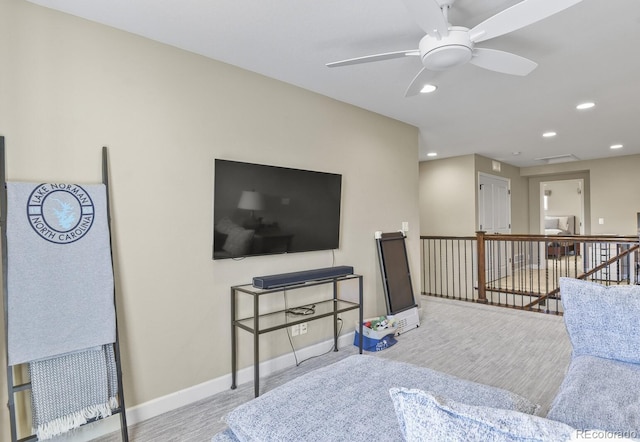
(60, 274)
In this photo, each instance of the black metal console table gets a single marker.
(277, 320)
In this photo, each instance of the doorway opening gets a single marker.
(560, 199)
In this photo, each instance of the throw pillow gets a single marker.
(225, 225)
(551, 223)
(238, 241)
(425, 417)
(602, 320)
(563, 223)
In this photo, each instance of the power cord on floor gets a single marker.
(295, 355)
(305, 308)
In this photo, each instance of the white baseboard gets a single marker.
(170, 402)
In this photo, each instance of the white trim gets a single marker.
(181, 398)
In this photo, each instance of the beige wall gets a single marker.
(448, 196)
(69, 86)
(535, 209)
(612, 191)
(565, 198)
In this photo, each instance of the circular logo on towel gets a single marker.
(60, 213)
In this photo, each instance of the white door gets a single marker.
(494, 204)
(494, 216)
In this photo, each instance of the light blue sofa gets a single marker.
(602, 387)
(366, 398)
(349, 401)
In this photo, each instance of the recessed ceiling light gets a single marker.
(428, 88)
(432, 154)
(549, 134)
(616, 146)
(585, 105)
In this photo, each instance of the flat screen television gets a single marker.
(260, 209)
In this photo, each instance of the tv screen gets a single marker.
(260, 210)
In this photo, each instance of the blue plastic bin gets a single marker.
(370, 344)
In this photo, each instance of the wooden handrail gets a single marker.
(536, 237)
(466, 238)
(528, 266)
(575, 238)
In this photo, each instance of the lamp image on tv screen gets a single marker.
(260, 209)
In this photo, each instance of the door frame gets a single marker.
(480, 201)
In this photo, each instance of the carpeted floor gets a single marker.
(527, 353)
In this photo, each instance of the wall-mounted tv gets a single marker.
(260, 209)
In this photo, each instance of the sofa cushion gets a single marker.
(599, 394)
(602, 320)
(349, 400)
(425, 417)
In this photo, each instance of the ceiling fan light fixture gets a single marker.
(428, 88)
(447, 57)
(585, 105)
(439, 54)
(446, 46)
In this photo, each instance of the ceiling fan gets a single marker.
(446, 46)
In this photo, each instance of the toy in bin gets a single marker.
(377, 333)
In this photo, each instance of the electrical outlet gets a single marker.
(295, 330)
(303, 328)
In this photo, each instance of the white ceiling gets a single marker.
(587, 52)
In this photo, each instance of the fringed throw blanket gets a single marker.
(69, 390)
(61, 312)
(60, 275)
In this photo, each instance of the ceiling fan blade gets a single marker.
(376, 57)
(501, 61)
(518, 16)
(419, 81)
(429, 16)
